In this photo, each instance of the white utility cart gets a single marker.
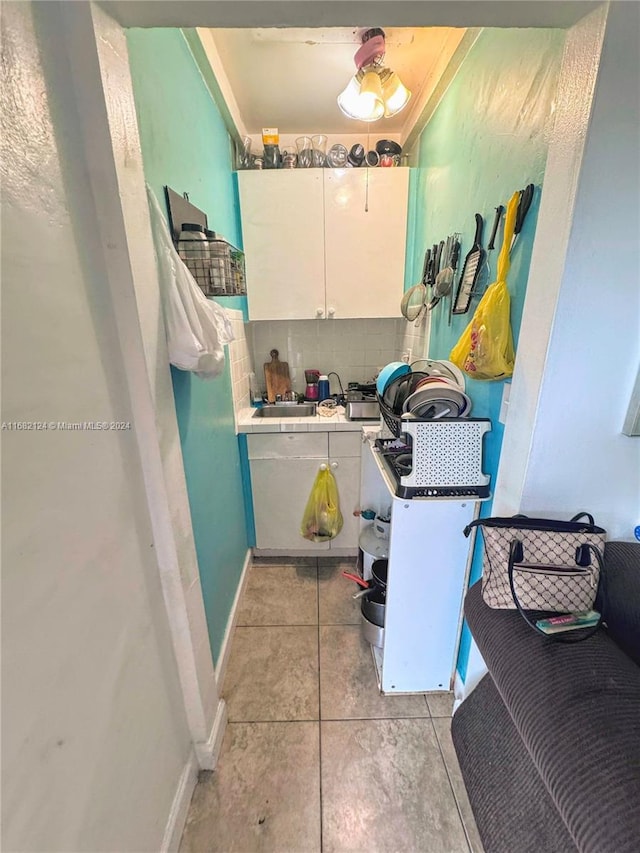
(428, 571)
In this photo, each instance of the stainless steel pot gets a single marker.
(373, 606)
(373, 634)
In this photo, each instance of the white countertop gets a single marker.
(245, 422)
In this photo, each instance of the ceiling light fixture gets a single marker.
(375, 91)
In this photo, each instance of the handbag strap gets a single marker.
(525, 522)
(586, 515)
(516, 548)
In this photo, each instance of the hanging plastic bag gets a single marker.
(322, 519)
(197, 328)
(485, 349)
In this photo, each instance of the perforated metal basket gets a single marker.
(446, 452)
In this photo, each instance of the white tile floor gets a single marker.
(314, 758)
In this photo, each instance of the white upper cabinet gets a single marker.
(283, 239)
(324, 243)
(365, 229)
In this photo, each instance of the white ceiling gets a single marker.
(289, 78)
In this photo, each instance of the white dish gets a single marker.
(442, 368)
(442, 381)
(459, 401)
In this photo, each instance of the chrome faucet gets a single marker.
(286, 399)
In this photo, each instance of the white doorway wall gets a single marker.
(101, 86)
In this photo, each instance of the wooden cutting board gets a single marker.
(276, 374)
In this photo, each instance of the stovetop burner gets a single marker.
(397, 459)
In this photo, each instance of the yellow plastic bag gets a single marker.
(485, 349)
(322, 519)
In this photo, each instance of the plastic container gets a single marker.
(324, 391)
(193, 242)
(272, 158)
(255, 396)
(382, 527)
(372, 549)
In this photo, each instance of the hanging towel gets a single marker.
(197, 328)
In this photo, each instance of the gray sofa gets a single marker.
(549, 741)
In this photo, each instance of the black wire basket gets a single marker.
(392, 400)
(391, 420)
(217, 266)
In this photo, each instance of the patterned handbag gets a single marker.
(540, 564)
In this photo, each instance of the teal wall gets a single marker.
(487, 138)
(185, 145)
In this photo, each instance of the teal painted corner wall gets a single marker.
(185, 145)
(487, 138)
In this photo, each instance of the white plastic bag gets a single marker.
(197, 328)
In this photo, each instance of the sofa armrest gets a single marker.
(619, 595)
(577, 709)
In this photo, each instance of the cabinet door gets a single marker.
(365, 239)
(287, 445)
(281, 489)
(283, 240)
(346, 470)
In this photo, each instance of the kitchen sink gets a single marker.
(291, 410)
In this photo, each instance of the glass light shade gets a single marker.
(362, 98)
(370, 101)
(348, 99)
(395, 94)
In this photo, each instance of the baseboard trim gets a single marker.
(304, 552)
(207, 753)
(180, 806)
(225, 651)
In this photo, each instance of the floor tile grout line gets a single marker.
(368, 719)
(453, 792)
(282, 625)
(269, 722)
(338, 720)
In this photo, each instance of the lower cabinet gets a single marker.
(283, 469)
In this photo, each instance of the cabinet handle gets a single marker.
(319, 312)
(332, 311)
(334, 465)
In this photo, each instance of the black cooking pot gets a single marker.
(374, 599)
(379, 570)
(373, 606)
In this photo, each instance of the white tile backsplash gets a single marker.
(414, 338)
(239, 361)
(355, 349)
